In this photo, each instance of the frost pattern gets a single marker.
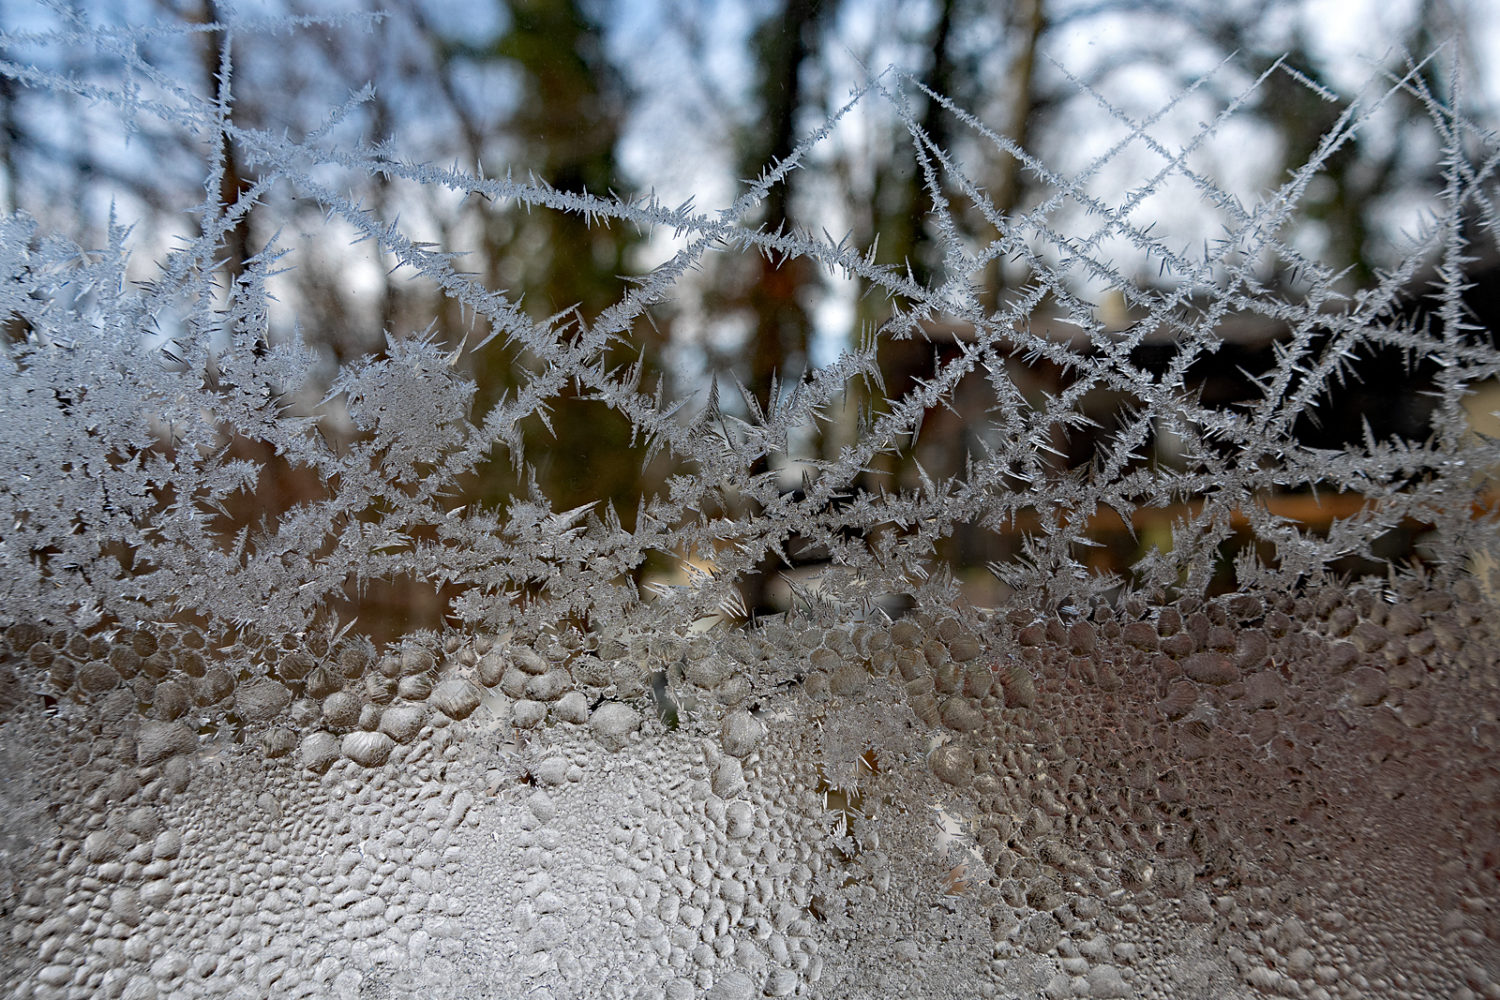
(584, 788)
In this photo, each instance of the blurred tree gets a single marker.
(770, 292)
(564, 128)
(784, 44)
(214, 55)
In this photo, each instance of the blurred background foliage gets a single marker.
(685, 96)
